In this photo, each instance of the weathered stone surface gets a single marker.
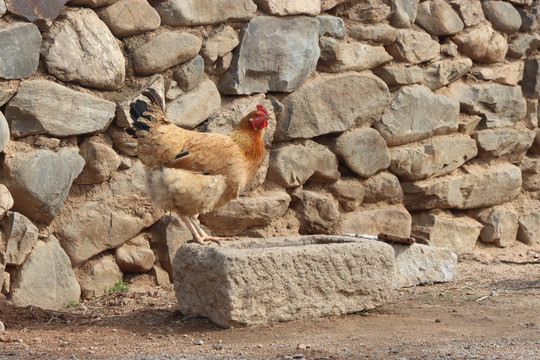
(220, 42)
(317, 211)
(415, 114)
(130, 17)
(531, 117)
(80, 48)
(505, 74)
(330, 104)
(192, 108)
(383, 187)
(135, 255)
(523, 45)
(4, 132)
(21, 236)
(479, 187)
(376, 219)
(6, 200)
(438, 18)
(364, 151)
(421, 264)
(535, 147)
(442, 229)
(502, 15)
(33, 10)
(245, 212)
(248, 282)
(287, 8)
(435, 157)
(45, 279)
(21, 42)
(403, 12)
(44, 107)
(6, 95)
(331, 26)
(97, 275)
(500, 225)
(101, 161)
(92, 3)
(348, 191)
(398, 76)
(39, 180)
(530, 171)
(190, 74)
(414, 47)
(350, 56)
(161, 277)
(292, 164)
(470, 11)
(506, 144)
(368, 12)
(500, 105)
(384, 34)
(468, 123)
(529, 228)
(203, 12)
(165, 50)
(3, 8)
(329, 4)
(482, 43)
(531, 78)
(442, 73)
(293, 42)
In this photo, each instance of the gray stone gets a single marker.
(438, 18)
(4, 132)
(530, 171)
(101, 161)
(442, 73)
(222, 64)
(443, 229)
(6, 200)
(502, 15)
(349, 192)
(80, 48)
(193, 107)
(414, 47)
(293, 42)
(44, 107)
(506, 74)
(161, 277)
(92, 3)
(468, 123)
(6, 95)
(20, 56)
(436, 156)
(403, 12)
(419, 264)
(97, 275)
(135, 255)
(399, 76)
(482, 43)
(39, 180)
(384, 34)
(255, 281)
(531, 118)
(376, 219)
(330, 105)
(521, 46)
(21, 236)
(331, 26)
(470, 11)
(287, 8)
(204, 12)
(367, 12)
(503, 144)
(500, 225)
(247, 211)
(164, 51)
(479, 187)
(350, 56)
(383, 187)
(220, 42)
(329, 4)
(3, 8)
(317, 212)
(415, 114)
(130, 17)
(531, 78)
(529, 228)
(500, 105)
(364, 151)
(36, 10)
(45, 279)
(292, 164)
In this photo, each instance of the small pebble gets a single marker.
(218, 347)
(199, 342)
(494, 293)
(298, 356)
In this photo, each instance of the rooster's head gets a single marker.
(258, 119)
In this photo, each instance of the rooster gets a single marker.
(189, 172)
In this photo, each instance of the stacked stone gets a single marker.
(394, 116)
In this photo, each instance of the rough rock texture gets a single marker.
(482, 43)
(97, 275)
(421, 264)
(286, 8)
(318, 212)
(101, 161)
(6, 200)
(502, 15)
(20, 236)
(505, 144)
(4, 132)
(23, 41)
(441, 73)
(250, 281)
(36, 10)
(350, 56)
(376, 219)
(500, 225)
(135, 255)
(293, 43)
(130, 17)
(414, 47)
(529, 228)
(438, 18)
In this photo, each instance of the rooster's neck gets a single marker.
(250, 142)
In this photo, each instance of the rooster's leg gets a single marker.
(204, 235)
(189, 223)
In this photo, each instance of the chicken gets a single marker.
(189, 172)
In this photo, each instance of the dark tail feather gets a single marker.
(138, 108)
(154, 98)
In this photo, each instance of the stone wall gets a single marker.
(399, 116)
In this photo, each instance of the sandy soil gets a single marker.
(491, 310)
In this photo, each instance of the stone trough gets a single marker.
(260, 281)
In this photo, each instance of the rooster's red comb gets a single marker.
(262, 109)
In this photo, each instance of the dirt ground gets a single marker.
(491, 310)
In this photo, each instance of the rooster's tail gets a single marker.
(142, 113)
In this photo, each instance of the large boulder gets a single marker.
(317, 211)
(350, 56)
(414, 47)
(130, 17)
(293, 43)
(503, 144)
(482, 43)
(23, 41)
(20, 237)
(97, 275)
(500, 225)
(438, 18)
(375, 219)
(502, 15)
(36, 10)
(135, 255)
